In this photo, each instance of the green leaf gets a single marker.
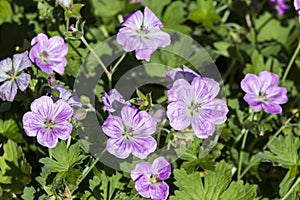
(5, 11)
(156, 6)
(287, 183)
(174, 22)
(283, 151)
(216, 185)
(14, 170)
(104, 186)
(9, 129)
(64, 159)
(108, 8)
(28, 193)
(204, 12)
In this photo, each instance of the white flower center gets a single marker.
(194, 108)
(128, 133)
(49, 123)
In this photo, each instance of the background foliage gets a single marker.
(242, 36)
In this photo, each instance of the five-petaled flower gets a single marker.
(130, 133)
(13, 77)
(262, 92)
(49, 54)
(149, 179)
(142, 34)
(196, 104)
(48, 121)
(280, 6)
(113, 101)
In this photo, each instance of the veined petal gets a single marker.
(157, 39)
(134, 21)
(128, 38)
(217, 109)
(43, 106)
(253, 101)
(61, 111)
(113, 126)
(62, 130)
(145, 124)
(202, 126)
(57, 47)
(23, 81)
(59, 67)
(150, 20)
(144, 53)
(46, 138)
(159, 191)
(8, 90)
(181, 91)
(32, 123)
(297, 4)
(143, 146)
(119, 147)
(251, 84)
(268, 80)
(179, 115)
(200, 90)
(21, 61)
(5, 66)
(142, 168)
(142, 186)
(271, 107)
(277, 95)
(161, 168)
(127, 115)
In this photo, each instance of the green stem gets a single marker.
(241, 154)
(279, 131)
(109, 76)
(291, 62)
(291, 189)
(85, 173)
(95, 55)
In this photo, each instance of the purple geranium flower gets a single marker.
(142, 34)
(149, 179)
(297, 7)
(196, 104)
(262, 92)
(280, 6)
(113, 101)
(13, 77)
(130, 133)
(48, 121)
(49, 54)
(136, 1)
(68, 96)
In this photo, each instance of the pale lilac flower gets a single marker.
(48, 121)
(196, 104)
(280, 6)
(66, 3)
(12, 76)
(113, 101)
(262, 92)
(149, 179)
(130, 133)
(297, 7)
(181, 73)
(68, 96)
(49, 54)
(142, 34)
